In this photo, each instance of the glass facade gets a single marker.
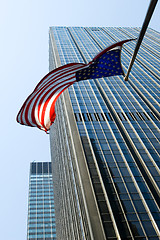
(41, 213)
(105, 142)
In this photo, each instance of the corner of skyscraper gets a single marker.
(105, 141)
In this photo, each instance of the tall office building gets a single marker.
(41, 215)
(105, 142)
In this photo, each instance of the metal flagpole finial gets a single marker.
(141, 35)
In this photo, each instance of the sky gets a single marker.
(24, 54)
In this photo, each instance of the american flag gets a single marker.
(39, 108)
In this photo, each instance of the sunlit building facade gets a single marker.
(41, 214)
(105, 142)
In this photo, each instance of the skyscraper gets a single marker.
(105, 142)
(41, 215)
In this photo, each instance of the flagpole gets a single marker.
(141, 35)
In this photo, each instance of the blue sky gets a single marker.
(24, 26)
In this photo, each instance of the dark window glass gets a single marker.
(128, 206)
(33, 168)
(132, 217)
(45, 167)
(139, 206)
(121, 188)
(39, 169)
(143, 216)
(109, 229)
(136, 229)
(149, 228)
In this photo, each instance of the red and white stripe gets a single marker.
(39, 108)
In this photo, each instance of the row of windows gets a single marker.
(41, 230)
(123, 116)
(39, 206)
(37, 219)
(43, 201)
(40, 196)
(40, 188)
(41, 176)
(41, 168)
(40, 192)
(52, 236)
(39, 210)
(42, 224)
